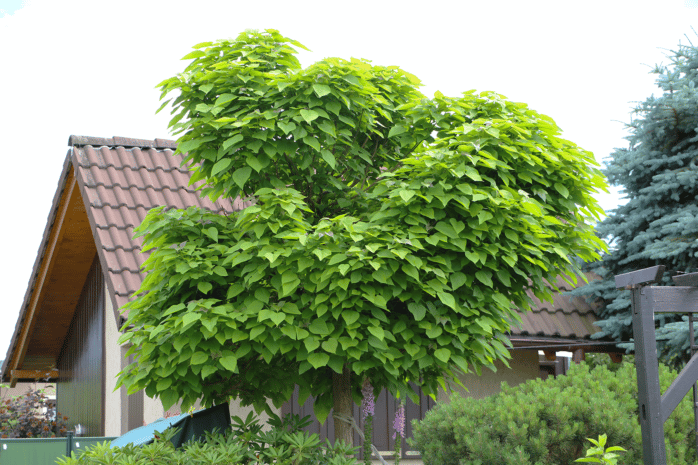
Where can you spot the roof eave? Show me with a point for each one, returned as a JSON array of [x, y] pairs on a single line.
[[17, 347]]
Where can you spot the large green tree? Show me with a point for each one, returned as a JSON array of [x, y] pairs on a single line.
[[659, 223], [390, 236]]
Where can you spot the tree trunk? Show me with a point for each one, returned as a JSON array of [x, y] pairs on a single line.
[[343, 405]]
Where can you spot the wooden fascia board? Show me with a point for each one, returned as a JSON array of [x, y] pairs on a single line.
[[36, 375], [44, 272]]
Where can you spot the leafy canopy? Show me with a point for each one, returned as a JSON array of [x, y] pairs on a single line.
[[388, 233]]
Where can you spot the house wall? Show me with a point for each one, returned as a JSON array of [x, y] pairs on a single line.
[[125, 412], [80, 387], [524, 366], [22, 388], [112, 366]]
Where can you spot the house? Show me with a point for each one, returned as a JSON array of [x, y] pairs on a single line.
[[88, 266]]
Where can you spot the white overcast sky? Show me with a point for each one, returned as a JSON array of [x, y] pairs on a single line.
[[90, 67]]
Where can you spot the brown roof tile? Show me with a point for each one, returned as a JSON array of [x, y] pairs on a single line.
[[120, 180], [567, 317]]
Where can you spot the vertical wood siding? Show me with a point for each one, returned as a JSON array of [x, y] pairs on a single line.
[[80, 387], [383, 431]]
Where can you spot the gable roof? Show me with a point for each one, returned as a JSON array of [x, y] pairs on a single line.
[[104, 191], [120, 180], [106, 187]]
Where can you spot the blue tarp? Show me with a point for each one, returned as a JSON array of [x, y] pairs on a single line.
[[192, 426]]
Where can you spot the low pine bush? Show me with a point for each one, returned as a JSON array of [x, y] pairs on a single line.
[[245, 444], [547, 422]]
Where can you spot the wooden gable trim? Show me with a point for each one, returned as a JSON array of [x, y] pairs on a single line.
[[35, 375], [44, 271]]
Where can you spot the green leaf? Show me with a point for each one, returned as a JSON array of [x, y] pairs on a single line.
[[406, 194], [277, 318], [411, 271], [232, 141], [220, 271], [334, 107], [163, 384], [330, 345], [318, 326], [221, 165], [254, 163], [327, 127], [447, 299], [189, 145], [199, 357], [350, 316], [224, 98], [318, 359], [190, 317], [287, 128], [321, 90], [309, 115], [417, 310], [396, 131], [562, 190], [241, 175], [442, 354], [194, 54], [322, 407], [229, 362], [485, 277], [328, 157], [204, 287], [457, 280], [313, 142], [377, 331]]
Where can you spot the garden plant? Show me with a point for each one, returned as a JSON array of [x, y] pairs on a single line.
[[246, 443], [390, 236], [548, 421], [30, 415]]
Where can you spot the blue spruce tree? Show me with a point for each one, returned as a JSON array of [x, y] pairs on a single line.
[[659, 223]]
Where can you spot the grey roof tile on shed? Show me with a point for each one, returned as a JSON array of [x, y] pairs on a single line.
[[120, 180]]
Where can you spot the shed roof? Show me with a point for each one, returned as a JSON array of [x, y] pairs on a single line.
[[566, 316], [106, 188]]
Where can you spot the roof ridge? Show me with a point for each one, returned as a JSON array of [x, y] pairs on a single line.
[[141, 188], [116, 141], [123, 270], [112, 225], [133, 168], [125, 249], [140, 205], [566, 312]]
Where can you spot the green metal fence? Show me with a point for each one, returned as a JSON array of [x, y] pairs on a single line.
[[42, 451]]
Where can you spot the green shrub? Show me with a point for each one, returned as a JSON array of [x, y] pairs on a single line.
[[547, 422], [245, 443], [30, 415]]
